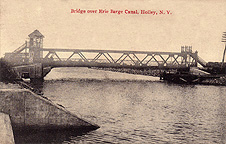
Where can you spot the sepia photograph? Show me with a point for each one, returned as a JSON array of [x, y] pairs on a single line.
[[113, 71]]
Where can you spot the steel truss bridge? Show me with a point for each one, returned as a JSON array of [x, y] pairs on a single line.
[[58, 57], [121, 59], [32, 52]]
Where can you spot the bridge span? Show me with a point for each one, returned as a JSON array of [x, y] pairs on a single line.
[[31, 59], [120, 59]]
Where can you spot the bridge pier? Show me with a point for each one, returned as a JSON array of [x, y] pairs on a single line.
[[37, 81], [36, 72]]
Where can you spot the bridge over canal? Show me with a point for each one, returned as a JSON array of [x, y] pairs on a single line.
[[32, 60]]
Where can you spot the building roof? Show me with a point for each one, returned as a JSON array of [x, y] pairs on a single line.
[[36, 33]]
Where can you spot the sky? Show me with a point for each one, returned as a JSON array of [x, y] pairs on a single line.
[[196, 23]]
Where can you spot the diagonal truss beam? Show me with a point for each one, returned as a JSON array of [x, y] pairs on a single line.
[[57, 56], [137, 58], [96, 57], [111, 57], [144, 58], [123, 58], [120, 58], [156, 58], [131, 59], [82, 56], [175, 59], [70, 56], [107, 58]]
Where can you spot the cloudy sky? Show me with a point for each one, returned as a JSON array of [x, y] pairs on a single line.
[[196, 23]]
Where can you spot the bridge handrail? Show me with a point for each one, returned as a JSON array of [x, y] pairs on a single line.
[[21, 48], [199, 60]]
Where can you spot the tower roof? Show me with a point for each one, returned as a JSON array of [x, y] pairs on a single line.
[[36, 33]]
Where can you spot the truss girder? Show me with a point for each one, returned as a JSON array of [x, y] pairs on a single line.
[[125, 57]]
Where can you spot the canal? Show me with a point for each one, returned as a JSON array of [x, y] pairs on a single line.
[[134, 109]]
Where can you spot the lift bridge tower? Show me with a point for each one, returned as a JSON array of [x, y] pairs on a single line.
[[28, 53], [27, 59], [35, 44]]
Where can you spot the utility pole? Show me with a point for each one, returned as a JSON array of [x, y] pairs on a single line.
[[223, 40]]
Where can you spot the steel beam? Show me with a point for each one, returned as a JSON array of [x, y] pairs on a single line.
[[106, 51]]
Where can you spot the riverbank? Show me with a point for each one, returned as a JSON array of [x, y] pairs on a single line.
[[147, 72], [157, 73]]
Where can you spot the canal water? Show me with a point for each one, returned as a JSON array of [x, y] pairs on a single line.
[[135, 109]]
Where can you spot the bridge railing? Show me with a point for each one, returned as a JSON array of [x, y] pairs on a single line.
[[21, 48]]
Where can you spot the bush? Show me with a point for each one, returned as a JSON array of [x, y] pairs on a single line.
[[6, 73]]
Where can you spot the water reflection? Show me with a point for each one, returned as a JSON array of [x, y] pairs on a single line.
[[47, 136]]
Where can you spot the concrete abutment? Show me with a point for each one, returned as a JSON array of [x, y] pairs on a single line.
[[30, 111]]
